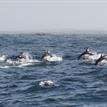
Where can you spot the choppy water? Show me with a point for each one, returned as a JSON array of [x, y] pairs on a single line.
[[77, 84]]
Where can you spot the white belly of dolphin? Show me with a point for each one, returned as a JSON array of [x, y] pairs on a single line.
[[53, 58], [91, 57], [104, 61]]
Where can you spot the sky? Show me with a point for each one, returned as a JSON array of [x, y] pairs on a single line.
[[50, 15]]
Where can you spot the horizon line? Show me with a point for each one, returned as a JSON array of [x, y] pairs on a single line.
[[57, 31]]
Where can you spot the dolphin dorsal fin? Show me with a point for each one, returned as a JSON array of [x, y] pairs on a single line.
[[101, 56], [87, 50]]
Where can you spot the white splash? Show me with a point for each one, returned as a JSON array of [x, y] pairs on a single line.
[[2, 58], [24, 59], [46, 83]]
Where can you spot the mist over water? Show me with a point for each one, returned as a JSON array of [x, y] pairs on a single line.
[[76, 84]]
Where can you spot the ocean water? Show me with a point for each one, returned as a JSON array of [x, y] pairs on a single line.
[[76, 84]]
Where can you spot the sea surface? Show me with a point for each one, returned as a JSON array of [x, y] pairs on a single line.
[[76, 84]]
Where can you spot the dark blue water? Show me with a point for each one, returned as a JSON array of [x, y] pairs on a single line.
[[77, 84]]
